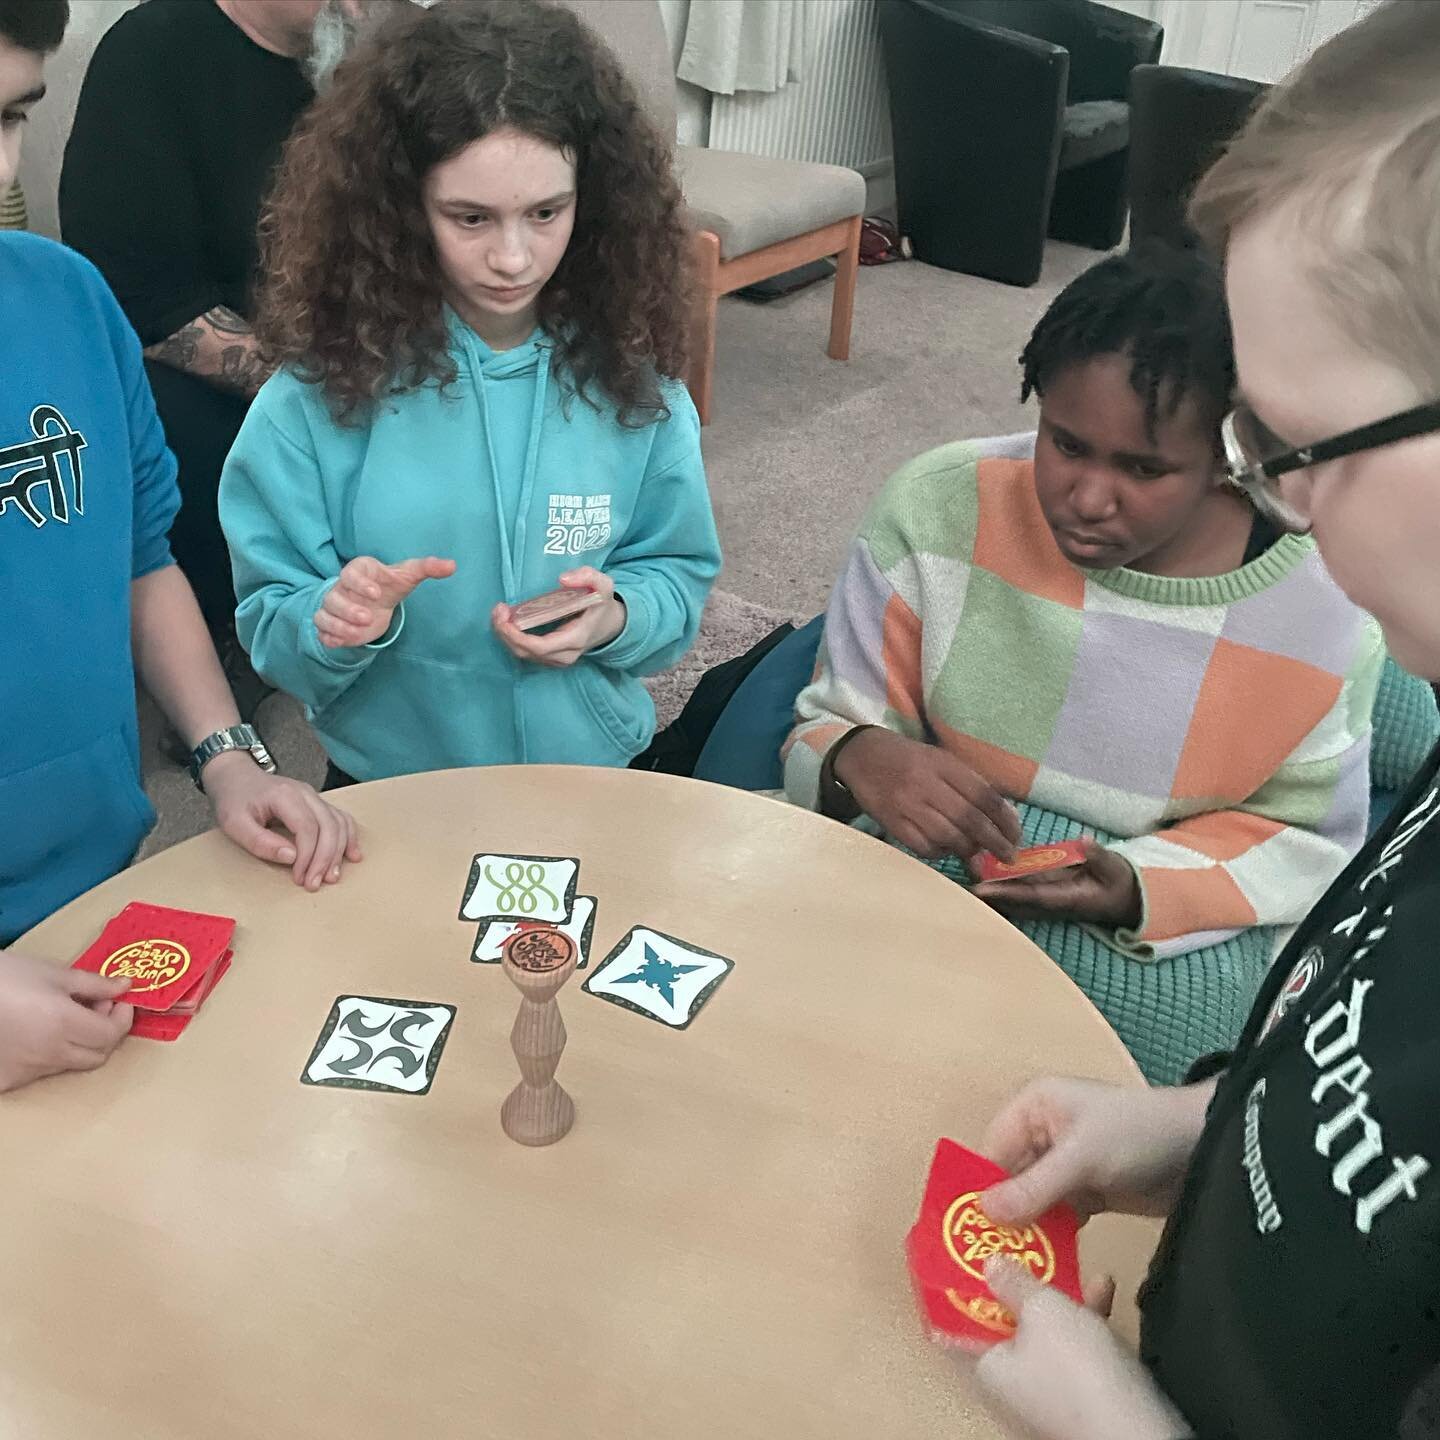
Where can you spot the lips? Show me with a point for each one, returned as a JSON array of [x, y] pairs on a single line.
[[508, 292]]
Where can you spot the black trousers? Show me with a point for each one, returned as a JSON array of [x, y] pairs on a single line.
[[336, 778], [200, 423]]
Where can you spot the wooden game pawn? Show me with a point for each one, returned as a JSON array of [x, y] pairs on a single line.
[[538, 1111]]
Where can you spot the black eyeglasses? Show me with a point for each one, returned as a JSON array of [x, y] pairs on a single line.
[[1256, 459]]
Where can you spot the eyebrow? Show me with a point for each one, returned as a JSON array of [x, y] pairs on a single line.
[[1126, 457], [563, 198], [38, 93]]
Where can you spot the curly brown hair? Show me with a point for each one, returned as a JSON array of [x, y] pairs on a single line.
[[351, 296]]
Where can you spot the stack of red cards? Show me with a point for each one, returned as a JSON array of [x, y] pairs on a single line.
[[173, 959], [1034, 860], [953, 1238]]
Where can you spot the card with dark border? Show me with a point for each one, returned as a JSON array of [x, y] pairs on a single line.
[[696, 1005], [583, 939], [475, 878], [386, 1041]]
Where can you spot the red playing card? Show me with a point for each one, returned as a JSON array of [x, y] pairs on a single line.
[[1032, 861], [556, 605], [171, 1024], [191, 1001], [953, 1238], [164, 952], [149, 1026]]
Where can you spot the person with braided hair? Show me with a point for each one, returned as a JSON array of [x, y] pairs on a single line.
[[1089, 633]]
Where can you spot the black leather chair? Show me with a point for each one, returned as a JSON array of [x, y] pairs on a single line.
[[1010, 120], [1180, 122]]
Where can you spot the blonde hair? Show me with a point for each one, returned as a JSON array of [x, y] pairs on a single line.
[[1349, 145]]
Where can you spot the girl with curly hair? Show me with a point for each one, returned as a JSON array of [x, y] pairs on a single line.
[[476, 294]]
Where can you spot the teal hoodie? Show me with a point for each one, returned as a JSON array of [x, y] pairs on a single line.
[[518, 481]]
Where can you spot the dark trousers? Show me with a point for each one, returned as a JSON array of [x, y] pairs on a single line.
[[200, 423], [336, 778]]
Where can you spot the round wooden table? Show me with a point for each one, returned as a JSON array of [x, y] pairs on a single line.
[[194, 1244]]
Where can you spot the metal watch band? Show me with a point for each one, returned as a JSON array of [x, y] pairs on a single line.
[[237, 737]]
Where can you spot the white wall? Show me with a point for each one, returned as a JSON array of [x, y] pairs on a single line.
[[49, 125]]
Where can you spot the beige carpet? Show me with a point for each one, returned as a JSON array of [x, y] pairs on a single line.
[[798, 445]]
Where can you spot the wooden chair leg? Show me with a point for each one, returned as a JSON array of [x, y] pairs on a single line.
[[842, 308], [702, 340]]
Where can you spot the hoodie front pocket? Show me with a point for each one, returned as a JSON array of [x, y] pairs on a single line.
[[628, 719]]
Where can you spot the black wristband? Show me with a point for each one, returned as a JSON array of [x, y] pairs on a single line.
[[836, 800]]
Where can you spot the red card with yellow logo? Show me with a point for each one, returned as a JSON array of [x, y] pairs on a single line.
[[1031, 861], [951, 1241], [167, 955]]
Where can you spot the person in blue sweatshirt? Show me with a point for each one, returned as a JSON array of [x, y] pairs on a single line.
[[87, 496], [477, 294]]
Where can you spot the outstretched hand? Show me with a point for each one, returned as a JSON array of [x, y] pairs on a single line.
[[358, 607]]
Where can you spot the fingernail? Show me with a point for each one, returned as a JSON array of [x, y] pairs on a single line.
[[335, 873], [286, 856]]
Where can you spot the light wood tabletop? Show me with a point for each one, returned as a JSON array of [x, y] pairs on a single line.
[[196, 1246]]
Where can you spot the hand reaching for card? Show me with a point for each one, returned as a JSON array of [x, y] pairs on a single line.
[[1064, 1374], [53, 1020], [359, 606], [1104, 890], [926, 798], [568, 642], [1093, 1147]]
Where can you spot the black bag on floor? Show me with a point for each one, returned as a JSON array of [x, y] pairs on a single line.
[[675, 750]]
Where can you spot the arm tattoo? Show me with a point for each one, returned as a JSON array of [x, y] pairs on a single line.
[[218, 346], [242, 368], [179, 349], [227, 322]]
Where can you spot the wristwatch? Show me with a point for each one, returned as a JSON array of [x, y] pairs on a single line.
[[237, 737]]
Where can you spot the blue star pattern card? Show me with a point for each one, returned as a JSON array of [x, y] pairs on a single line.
[[657, 975]]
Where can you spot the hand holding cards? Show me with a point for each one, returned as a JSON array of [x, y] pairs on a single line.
[[952, 1240], [173, 959], [554, 607]]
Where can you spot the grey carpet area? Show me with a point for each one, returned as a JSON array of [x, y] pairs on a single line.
[[797, 447]]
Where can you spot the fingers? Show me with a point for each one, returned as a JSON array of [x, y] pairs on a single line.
[[336, 633], [559, 648], [251, 836], [410, 573], [88, 1030], [1054, 1175], [361, 579], [1100, 1296], [1018, 1133], [329, 845], [353, 850], [1012, 1284], [587, 577], [88, 988]]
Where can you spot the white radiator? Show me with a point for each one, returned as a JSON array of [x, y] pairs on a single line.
[[837, 114]]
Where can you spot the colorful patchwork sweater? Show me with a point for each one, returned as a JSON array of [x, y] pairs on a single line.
[[1221, 724]]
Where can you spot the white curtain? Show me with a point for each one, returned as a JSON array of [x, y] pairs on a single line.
[[735, 45]]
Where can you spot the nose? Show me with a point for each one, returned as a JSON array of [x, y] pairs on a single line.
[[510, 256], [1092, 496], [9, 157]]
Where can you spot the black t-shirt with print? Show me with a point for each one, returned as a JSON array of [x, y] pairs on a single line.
[[1296, 1292], [179, 125]]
